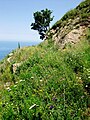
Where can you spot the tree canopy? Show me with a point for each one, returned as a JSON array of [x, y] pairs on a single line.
[[42, 22]]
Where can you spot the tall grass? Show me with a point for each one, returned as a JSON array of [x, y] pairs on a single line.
[[50, 84]]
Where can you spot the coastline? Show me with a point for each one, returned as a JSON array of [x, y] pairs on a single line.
[[7, 46]]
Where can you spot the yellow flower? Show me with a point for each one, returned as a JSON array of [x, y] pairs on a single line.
[[40, 90]]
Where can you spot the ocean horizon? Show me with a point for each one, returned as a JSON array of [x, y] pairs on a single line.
[[7, 46]]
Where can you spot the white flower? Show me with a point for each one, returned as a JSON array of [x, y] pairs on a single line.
[[21, 80], [86, 86], [41, 80], [76, 77], [8, 88], [16, 82], [88, 76], [80, 78], [32, 77]]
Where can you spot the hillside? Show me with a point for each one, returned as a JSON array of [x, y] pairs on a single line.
[[72, 26], [50, 81]]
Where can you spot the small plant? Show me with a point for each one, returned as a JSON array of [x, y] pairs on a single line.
[[75, 62], [18, 45]]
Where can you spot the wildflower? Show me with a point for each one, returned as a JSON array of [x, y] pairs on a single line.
[[88, 76], [41, 80], [86, 86], [8, 88], [54, 98], [80, 78], [51, 107], [32, 77], [22, 80], [16, 82]]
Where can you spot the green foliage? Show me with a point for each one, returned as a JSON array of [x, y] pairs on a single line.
[[75, 62], [88, 35], [50, 84], [42, 21], [82, 11], [70, 14]]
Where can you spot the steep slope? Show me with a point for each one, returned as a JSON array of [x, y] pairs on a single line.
[[45, 82], [72, 26]]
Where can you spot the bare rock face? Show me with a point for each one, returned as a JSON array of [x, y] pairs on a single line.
[[72, 37], [70, 33]]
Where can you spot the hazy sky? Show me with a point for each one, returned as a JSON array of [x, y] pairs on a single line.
[[17, 15]]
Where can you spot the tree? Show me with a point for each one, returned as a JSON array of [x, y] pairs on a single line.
[[42, 22]]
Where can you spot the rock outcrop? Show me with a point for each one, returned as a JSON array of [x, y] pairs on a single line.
[[70, 33], [72, 37]]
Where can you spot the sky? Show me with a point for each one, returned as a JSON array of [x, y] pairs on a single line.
[[16, 17]]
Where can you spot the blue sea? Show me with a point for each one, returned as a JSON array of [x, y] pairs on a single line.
[[7, 46]]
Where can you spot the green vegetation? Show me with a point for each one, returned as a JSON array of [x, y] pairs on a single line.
[[49, 84], [82, 11], [42, 22]]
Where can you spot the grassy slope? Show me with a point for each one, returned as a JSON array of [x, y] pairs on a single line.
[[51, 84], [82, 11], [56, 82]]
